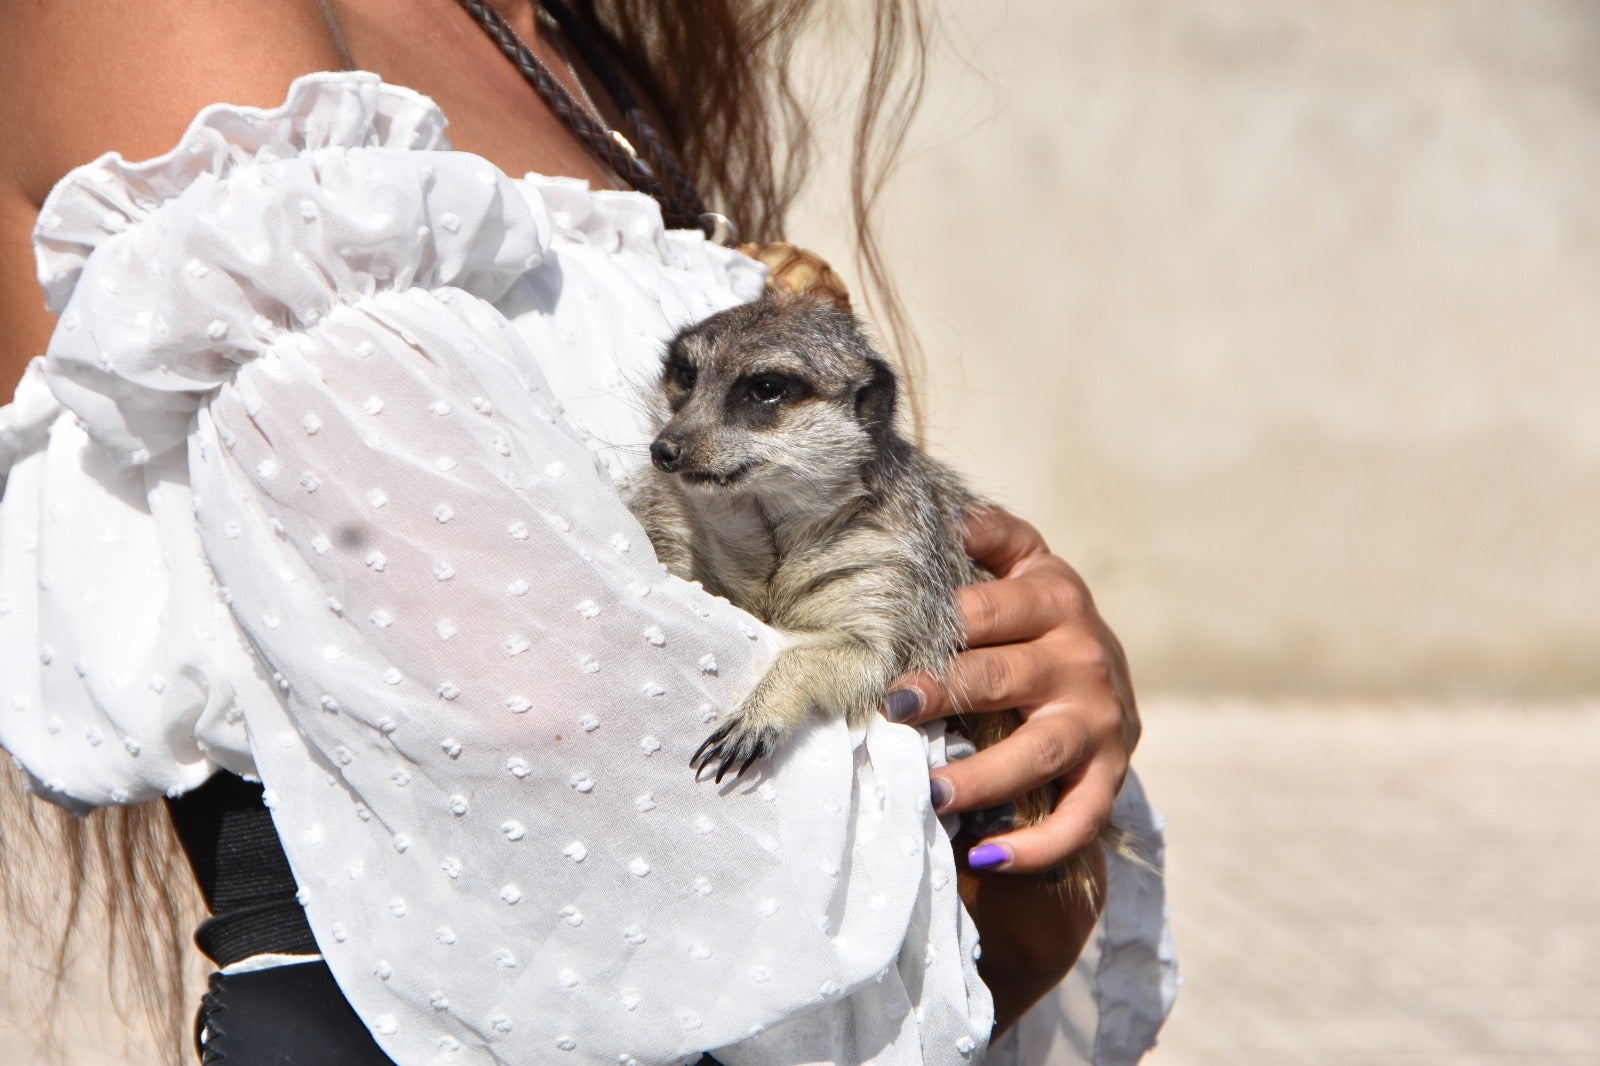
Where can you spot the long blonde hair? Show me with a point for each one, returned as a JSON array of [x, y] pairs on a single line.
[[719, 72]]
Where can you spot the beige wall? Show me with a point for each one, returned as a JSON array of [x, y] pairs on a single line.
[[1283, 320]]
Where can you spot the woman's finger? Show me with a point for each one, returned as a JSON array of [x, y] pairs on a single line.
[[1084, 810], [980, 679], [1001, 612], [1043, 749], [998, 678], [999, 541]]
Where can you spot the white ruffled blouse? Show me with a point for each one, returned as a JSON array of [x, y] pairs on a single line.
[[318, 482]]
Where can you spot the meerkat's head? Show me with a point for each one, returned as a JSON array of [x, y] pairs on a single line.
[[784, 397]]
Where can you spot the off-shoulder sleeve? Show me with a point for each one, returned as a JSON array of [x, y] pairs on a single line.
[[482, 689], [122, 671]]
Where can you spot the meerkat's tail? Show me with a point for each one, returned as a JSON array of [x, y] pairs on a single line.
[[1080, 875]]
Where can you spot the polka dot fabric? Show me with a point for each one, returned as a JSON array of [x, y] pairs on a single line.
[[329, 434], [318, 482]]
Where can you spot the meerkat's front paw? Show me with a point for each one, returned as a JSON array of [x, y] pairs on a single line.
[[801, 683], [738, 742]]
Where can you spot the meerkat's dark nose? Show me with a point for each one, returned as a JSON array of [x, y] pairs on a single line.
[[666, 454]]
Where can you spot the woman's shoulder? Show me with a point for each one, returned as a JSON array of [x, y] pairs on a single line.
[[81, 79]]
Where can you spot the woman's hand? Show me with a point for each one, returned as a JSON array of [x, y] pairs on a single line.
[[1036, 643]]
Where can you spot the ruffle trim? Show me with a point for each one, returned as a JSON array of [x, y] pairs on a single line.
[[615, 220], [107, 196]]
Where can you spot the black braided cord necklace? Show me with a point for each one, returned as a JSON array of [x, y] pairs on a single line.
[[658, 173]]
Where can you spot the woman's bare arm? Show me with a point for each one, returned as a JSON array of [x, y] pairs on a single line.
[[24, 324], [83, 78]]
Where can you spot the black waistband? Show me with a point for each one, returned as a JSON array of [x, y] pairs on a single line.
[[234, 851], [285, 1014]]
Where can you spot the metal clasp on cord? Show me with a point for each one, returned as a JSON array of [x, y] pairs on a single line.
[[719, 228]]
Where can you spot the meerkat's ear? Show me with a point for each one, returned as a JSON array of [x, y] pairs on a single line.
[[875, 400]]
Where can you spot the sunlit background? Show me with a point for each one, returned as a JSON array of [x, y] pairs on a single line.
[[1282, 319]]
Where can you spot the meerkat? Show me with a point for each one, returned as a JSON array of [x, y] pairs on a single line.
[[779, 480]]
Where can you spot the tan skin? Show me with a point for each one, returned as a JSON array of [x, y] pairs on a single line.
[[80, 77]]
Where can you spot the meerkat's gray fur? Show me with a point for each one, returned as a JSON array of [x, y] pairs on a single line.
[[780, 480]]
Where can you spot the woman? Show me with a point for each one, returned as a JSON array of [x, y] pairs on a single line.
[[361, 361]]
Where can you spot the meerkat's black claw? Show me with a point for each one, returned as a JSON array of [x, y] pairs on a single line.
[[733, 745], [695, 762], [711, 757], [754, 755]]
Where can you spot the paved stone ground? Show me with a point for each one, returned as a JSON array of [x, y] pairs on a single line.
[[1352, 885], [1380, 884]]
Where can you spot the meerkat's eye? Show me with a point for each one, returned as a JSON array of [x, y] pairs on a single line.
[[767, 388], [682, 375]]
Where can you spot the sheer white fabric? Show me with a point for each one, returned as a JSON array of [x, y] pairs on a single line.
[[317, 482]]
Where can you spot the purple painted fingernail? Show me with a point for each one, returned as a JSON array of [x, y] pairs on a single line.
[[940, 793], [987, 857], [902, 704]]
